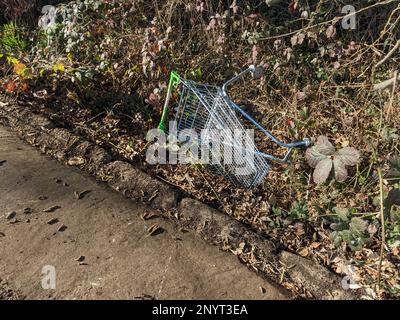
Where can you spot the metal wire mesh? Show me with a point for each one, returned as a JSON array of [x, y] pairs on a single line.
[[233, 154]]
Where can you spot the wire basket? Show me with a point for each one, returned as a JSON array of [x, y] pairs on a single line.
[[209, 112]]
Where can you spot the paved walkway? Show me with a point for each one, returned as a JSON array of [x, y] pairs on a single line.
[[100, 245]]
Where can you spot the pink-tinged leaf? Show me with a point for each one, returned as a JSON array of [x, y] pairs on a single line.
[[292, 7], [324, 146], [322, 170], [340, 169], [301, 95], [294, 40], [331, 31], [300, 38], [313, 156], [372, 229], [348, 155], [153, 100], [320, 151]]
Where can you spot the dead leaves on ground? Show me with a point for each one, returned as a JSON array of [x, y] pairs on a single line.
[[79, 195], [28, 210], [52, 221], [148, 216], [76, 161], [154, 230], [80, 259], [52, 209], [11, 87], [10, 215], [62, 228]]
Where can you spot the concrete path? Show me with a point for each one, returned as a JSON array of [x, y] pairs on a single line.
[[99, 246]]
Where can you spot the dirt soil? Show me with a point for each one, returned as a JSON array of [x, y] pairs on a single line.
[[101, 244]]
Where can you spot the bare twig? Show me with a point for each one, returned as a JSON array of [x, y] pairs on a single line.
[[328, 22], [383, 232], [389, 109], [387, 83], [390, 53]]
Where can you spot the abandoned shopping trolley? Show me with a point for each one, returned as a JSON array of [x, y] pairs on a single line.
[[209, 111]]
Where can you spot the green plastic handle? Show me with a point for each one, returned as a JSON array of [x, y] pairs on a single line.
[[174, 80]]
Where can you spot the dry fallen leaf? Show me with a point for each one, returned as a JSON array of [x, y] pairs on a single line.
[[79, 195], [148, 215], [28, 210], [331, 31], [10, 215], [51, 209], [299, 228], [52, 221], [239, 249], [154, 230], [315, 245], [272, 200], [153, 196], [10, 86], [304, 252], [42, 94], [62, 228], [76, 161], [80, 258]]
